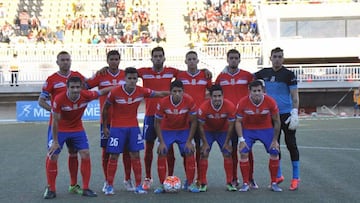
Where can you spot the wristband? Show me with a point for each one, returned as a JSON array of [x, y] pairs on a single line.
[[241, 139]]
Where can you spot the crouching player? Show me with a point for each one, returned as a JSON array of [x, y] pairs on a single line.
[[257, 118], [67, 109], [216, 118], [175, 122]]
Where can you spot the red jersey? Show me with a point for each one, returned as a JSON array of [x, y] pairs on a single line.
[[72, 111], [158, 81], [256, 116], [195, 85], [56, 84], [103, 81], [235, 86], [125, 105], [216, 120], [175, 117]]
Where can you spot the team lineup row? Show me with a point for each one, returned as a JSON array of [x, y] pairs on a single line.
[[235, 111]]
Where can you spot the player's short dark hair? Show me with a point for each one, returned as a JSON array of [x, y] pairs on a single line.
[[276, 50], [233, 51], [62, 53], [130, 70], [190, 52], [176, 83], [73, 79], [113, 53], [157, 49], [214, 88], [256, 83]]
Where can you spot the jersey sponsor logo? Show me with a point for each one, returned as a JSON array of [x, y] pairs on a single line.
[[59, 85]]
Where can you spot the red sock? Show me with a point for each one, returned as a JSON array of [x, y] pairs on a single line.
[[204, 163], [105, 160], [244, 167], [85, 172], [251, 163], [127, 165], [51, 173], [273, 168], [111, 170], [73, 168], [198, 168], [171, 160], [47, 159], [136, 166], [234, 155], [190, 168], [148, 158], [228, 166], [161, 167]]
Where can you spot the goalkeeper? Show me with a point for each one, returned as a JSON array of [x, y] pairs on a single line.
[[281, 84]]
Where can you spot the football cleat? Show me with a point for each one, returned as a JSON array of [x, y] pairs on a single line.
[[140, 190], [280, 179], [230, 187], [104, 187], [186, 185], [147, 183], [203, 188], [109, 190], [275, 187], [76, 189], [193, 188], [129, 186], [159, 190], [244, 188], [48, 194], [89, 193], [253, 184], [235, 182], [294, 184]]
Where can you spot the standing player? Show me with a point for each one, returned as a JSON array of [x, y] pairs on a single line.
[[157, 78], [281, 85], [54, 85], [258, 119], [234, 83], [68, 108], [124, 130], [216, 123], [175, 122], [112, 76], [195, 84]]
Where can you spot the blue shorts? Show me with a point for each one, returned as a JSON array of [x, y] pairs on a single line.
[[103, 139], [356, 106], [149, 129], [125, 138], [176, 136], [219, 137], [264, 135], [77, 140], [50, 139]]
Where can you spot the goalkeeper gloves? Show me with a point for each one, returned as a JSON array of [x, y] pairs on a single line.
[[293, 119]]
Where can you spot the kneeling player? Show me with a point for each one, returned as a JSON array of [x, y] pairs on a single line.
[[216, 118], [258, 119]]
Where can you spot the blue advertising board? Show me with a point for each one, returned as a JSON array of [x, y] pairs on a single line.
[[29, 111]]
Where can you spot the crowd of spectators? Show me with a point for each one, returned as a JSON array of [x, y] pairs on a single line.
[[224, 21]]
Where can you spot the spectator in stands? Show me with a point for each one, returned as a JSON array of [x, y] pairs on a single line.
[[35, 23], [6, 32], [24, 19], [2, 11], [153, 30], [121, 7], [111, 6], [14, 70], [59, 35], [77, 7], [68, 22], [161, 33]]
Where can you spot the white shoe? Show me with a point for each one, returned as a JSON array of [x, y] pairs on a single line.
[[104, 187], [129, 186]]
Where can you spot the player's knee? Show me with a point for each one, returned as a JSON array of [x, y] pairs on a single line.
[[85, 154]]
